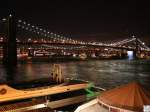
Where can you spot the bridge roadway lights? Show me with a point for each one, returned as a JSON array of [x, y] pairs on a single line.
[[9, 48]]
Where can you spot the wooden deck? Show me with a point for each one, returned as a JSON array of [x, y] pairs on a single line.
[[66, 102], [43, 105], [22, 106]]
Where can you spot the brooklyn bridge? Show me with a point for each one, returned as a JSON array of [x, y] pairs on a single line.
[[20, 39]]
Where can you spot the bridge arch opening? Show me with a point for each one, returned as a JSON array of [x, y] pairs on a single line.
[[130, 55]]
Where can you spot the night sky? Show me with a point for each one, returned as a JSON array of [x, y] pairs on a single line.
[[105, 20]]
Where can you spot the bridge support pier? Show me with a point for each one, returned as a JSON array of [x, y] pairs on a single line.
[[137, 50], [135, 54], [10, 47], [30, 52]]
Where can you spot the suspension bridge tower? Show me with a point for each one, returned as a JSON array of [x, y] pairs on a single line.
[[136, 50], [10, 47]]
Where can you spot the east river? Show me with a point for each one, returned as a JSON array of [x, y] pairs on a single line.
[[104, 73]]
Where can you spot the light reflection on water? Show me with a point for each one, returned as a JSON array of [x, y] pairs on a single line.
[[104, 73]]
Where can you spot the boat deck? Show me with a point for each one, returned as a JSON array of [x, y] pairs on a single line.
[[22, 106]]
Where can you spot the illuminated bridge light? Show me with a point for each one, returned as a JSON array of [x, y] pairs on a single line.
[[19, 21], [29, 39], [4, 19], [10, 15], [57, 38]]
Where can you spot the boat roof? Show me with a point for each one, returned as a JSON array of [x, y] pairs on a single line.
[[132, 96]]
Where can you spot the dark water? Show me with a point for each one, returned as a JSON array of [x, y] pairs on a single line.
[[104, 73]]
